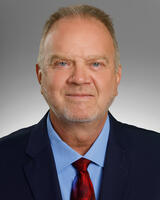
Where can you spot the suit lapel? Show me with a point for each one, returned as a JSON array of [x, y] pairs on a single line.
[[115, 171], [40, 171]]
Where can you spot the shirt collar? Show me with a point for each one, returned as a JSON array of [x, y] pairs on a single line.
[[64, 155]]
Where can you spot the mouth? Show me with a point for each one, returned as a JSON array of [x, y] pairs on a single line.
[[79, 96]]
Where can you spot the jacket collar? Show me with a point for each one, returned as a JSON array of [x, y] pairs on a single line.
[[40, 171], [115, 172]]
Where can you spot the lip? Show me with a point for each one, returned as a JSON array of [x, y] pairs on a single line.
[[79, 95]]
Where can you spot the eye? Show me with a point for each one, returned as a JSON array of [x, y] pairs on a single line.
[[96, 64], [61, 63]]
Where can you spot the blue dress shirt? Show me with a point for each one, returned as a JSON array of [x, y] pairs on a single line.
[[64, 156]]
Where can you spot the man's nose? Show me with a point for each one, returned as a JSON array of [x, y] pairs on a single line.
[[79, 75]]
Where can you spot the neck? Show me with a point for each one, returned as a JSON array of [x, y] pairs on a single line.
[[79, 136]]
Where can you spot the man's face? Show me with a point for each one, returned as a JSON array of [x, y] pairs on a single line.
[[78, 79]]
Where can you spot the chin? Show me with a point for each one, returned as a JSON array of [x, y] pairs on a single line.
[[79, 115], [81, 118]]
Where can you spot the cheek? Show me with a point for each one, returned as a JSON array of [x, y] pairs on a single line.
[[52, 83], [107, 85]]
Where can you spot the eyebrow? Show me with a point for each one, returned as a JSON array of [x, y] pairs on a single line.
[[58, 57], [91, 57], [97, 57]]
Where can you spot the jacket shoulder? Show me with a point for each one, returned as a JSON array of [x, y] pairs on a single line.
[[139, 132], [15, 142], [133, 137], [141, 139]]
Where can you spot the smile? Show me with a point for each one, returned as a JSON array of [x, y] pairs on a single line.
[[79, 96]]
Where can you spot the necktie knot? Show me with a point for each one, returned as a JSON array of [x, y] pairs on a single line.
[[81, 164]]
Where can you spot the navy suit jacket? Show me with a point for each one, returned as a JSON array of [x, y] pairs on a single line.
[[131, 170]]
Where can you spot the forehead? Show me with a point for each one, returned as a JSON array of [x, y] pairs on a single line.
[[78, 33], [78, 20], [78, 23]]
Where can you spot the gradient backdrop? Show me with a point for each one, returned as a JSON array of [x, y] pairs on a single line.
[[137, 25]]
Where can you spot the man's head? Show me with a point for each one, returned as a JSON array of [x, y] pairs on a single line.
[[76, 66], [84, 11]]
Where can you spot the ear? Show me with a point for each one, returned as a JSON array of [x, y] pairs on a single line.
[[39, 73], [118, 74]]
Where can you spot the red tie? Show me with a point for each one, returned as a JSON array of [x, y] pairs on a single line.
[[82, 188]]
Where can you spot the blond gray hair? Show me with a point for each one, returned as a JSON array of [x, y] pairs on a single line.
[[80, 11]]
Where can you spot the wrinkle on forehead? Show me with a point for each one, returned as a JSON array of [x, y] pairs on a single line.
[[72, 58]]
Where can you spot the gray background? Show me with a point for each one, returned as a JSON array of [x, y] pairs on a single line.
[[137, 24]]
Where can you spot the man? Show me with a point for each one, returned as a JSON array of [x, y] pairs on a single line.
[[78, 150]]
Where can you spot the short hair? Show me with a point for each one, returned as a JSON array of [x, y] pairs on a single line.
[[82, 11]]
